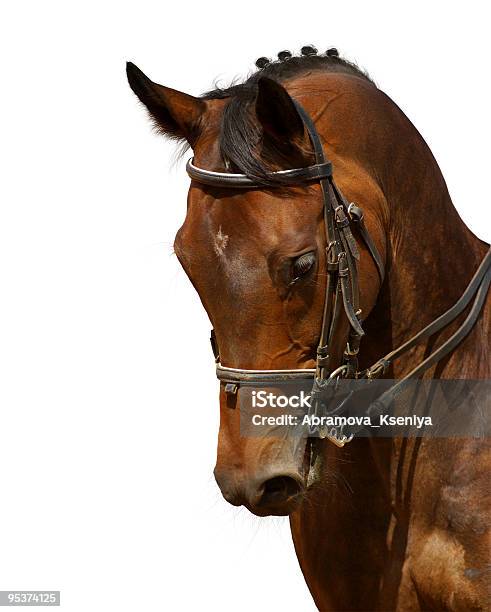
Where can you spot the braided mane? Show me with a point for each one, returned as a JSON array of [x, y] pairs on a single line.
[[240, 134]]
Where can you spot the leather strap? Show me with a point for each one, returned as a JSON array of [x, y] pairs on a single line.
[[356, 214], [384, 402], [242, 181], [239, 375], [480, 278], [342, 253], [347, 294]]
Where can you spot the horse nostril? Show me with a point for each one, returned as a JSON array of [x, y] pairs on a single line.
[[279, 489]]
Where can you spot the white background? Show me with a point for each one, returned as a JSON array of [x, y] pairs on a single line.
[[101, 496]]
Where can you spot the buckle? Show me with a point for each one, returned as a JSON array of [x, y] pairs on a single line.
[[355, 212], [341, 219], [349, 351], [377, 369], [339, 372]]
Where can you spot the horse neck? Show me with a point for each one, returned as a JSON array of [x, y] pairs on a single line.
[[430, 258], [431, 254]]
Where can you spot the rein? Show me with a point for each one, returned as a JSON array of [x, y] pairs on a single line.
[[342, 292]]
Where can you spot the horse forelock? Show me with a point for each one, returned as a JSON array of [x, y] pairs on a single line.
[[240, 132]]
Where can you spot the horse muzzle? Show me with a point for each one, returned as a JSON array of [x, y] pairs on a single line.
[[276, 493]]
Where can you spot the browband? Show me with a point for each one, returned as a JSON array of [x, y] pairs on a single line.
[[288, 177]]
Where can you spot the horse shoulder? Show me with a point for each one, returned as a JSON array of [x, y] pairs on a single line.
[[449, 543]]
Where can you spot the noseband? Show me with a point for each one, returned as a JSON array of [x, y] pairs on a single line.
[[342, 289]]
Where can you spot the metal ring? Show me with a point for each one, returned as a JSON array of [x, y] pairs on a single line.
[[337, 372]]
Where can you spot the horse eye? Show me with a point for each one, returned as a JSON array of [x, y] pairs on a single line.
[[303, 264]]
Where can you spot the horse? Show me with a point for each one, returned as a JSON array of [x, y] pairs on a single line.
[[383, 523]]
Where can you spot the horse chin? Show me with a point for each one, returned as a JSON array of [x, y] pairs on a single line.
[[282, 509]]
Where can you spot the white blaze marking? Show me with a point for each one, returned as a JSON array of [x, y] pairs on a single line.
[[220, 242]]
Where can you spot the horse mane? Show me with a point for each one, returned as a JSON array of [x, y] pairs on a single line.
[[240, 133]]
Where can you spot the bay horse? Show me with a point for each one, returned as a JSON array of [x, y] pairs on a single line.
[[383, 524]]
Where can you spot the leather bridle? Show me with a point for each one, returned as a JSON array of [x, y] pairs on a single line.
[[342, 291]]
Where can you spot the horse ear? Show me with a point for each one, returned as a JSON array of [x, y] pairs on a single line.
[[176, 114], [277, 114]]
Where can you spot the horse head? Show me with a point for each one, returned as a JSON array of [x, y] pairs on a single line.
[[257, 258]]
